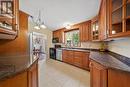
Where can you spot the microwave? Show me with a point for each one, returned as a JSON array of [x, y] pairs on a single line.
[[55, 40]]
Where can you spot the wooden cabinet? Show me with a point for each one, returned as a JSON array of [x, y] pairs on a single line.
[[98, 75], [99, 23], [107, 77], [103, 20], [28, 78], [76, 58], [59, 34], [86, 60], [95, 32], [119, 18], [118, 78], [17, 81], [85, 31], [9, 22], [68, 56], [33, 76]]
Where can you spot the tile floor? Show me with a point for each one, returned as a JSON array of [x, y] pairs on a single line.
[[57, 74]]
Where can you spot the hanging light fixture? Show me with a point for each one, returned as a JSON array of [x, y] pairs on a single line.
[[38, 24]]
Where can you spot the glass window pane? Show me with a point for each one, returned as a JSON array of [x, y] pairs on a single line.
[[116, 4]]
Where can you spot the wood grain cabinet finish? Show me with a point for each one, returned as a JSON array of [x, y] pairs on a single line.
[[98, 75], [76, 58], [28, 78], [17, 81], [86, 60], [85, 31], [59, 34], [119, 18], [13, 22], [103, 20], [118, 78], [33, 76], [68, 56]]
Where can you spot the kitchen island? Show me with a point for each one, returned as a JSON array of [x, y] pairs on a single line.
[[18, 71]]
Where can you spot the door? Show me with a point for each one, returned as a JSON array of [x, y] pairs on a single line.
[[98, 75], [86, 60]]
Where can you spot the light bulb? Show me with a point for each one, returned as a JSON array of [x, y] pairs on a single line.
[[43, 26], [37, 27]]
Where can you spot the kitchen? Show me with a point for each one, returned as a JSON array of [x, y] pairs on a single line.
[[87, 48]]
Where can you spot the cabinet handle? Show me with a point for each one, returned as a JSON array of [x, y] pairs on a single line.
[[90, 64]]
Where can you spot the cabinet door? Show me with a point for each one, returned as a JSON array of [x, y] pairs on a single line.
[[118, 78], [103, 20], [98, 75], [19, 80], [70, 57], [86, 60], [84, 31], [33, 76], [78, 58]]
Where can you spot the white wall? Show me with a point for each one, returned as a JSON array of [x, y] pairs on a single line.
[[46, 32], [121, 46]]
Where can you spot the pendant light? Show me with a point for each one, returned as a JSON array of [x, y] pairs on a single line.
[[38, 24]]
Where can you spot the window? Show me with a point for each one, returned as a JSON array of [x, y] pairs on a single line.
[[72, 38]]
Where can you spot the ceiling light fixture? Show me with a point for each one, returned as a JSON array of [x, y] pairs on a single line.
[[68, 25], [38, 24]]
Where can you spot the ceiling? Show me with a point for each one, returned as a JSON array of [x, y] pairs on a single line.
[[57, 12]]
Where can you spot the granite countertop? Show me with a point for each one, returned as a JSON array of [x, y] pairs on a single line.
[[111, 60], [12, 65], [78, 49]]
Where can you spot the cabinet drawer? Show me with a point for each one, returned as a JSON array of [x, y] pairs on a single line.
[[78, 54]]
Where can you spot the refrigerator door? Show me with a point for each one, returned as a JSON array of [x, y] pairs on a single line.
[[37, 43]]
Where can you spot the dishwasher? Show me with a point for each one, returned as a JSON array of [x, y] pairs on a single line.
[[59, 54]]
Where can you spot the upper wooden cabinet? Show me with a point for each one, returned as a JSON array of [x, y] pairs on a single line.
[[59, 34], [9, 15], [103, 20], [119, 18], [95, 32], [85, 31], [99, 24]]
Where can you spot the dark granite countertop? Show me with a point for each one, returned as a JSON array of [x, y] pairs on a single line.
[[111, 60], [12, 65], [79, 49]]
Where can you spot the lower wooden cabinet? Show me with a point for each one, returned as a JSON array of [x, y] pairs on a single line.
[[33, 76], [98, 75], [25, 79], [118, 78], [67, 56], [86, 60], [76, 58], [17, 81]]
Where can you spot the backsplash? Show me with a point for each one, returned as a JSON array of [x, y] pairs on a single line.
[[121, 46], [93, 45]]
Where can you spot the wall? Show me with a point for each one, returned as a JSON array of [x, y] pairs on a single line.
[[46, 32], [121, 46]]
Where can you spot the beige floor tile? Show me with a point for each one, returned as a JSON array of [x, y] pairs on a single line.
[[58, 74]]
